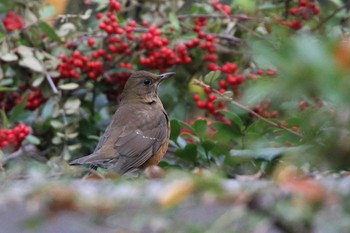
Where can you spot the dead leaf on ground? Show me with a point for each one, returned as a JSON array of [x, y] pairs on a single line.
[[175, 192]]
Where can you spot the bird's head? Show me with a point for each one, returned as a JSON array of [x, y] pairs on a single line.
[[143, 84]]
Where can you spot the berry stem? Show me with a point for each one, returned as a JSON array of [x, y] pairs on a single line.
[[325, 20]]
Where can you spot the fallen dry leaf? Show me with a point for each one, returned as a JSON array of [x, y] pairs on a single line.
[[307, 188], [175, 192]]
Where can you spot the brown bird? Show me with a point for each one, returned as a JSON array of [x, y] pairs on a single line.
[[138, 134]]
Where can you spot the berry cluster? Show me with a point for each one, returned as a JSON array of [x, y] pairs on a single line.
[[9, 99], [231, 79], [208, 102], [263, 109], [154, 52], [303, 104], [71, 66], [12, 21], [259, 72], [206, 41], [92, 64], [231, 82], [34, 100], [13, 137], [305, 10], [156, 55], [221, 7]]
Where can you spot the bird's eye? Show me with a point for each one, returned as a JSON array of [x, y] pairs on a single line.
[[147, 82]]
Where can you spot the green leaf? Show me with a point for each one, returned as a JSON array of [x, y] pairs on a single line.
[[6, 82], [226, 132], [4, 47], [9, 57], [200, 128], [56, 124], [48, 109], [189, 153], [38, 80], [244, 5], [19, 108], [175, 129], [233, 117], [208, 145], [72, 105], [228, 94], [212, 76], [49, 31], [257, 127], [25, 51], [33, 140], [31, 63], [184, 124], [68, 86], [74, 147], [4, 119], [174, 21]]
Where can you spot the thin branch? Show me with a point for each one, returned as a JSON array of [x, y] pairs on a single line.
[[239, 16], [325, 20], [49, 79], [247, 109], [52, 84], [226, 37]]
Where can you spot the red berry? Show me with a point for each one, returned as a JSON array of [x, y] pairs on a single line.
[[222, 83], [99, 15], [211, 97], [76, 54], [293, 11], [295, 24], [211, 107], [207, 90], [271, 71], [196, 97]]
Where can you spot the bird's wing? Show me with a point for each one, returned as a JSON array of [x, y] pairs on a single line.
[[96, 158], [137, 144], [103, 138], [130, 141]]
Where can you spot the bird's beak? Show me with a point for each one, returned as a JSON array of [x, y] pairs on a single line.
[[165, 76]]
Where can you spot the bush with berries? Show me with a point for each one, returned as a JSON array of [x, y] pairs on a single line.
[[251, 76]]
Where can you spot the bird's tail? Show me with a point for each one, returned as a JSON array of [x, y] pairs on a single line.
[[80, 161], [83, 160]]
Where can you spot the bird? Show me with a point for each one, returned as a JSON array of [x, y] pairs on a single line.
[[138, 135]]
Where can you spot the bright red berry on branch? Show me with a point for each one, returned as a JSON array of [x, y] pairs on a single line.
[[13, 21], [91, 41], [13, 137]]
